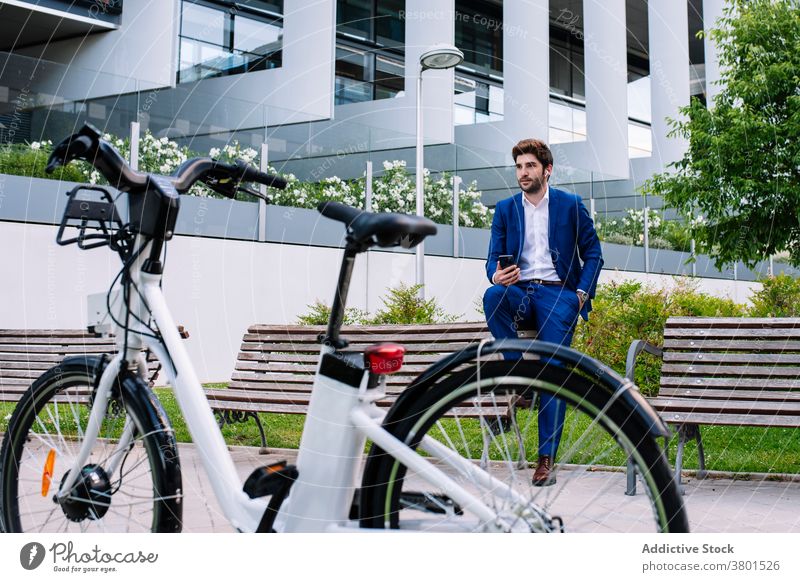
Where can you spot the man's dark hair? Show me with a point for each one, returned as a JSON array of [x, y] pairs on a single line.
[[536, 147]]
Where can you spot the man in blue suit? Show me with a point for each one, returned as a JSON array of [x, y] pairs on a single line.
[[552, 275]]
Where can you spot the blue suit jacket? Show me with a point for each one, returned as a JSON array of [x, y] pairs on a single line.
[[574, 245]]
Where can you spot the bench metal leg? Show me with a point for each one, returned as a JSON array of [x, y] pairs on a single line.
[[630, 469], [485, 432], [694, 431], [630, 487], [522, 459], [235, 416], [686, 433]]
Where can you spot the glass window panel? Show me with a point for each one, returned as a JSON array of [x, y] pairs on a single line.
[[352, 64], [496, 97], [560, 116], [389, 78], [275, 6], [560, 74], [389, 28], [351, 91], [560, 136], [354, 17], [255, 36], [579, 122], [203, 23], [479, 34]]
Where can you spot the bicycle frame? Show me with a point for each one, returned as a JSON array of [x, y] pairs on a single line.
[[339, 420]]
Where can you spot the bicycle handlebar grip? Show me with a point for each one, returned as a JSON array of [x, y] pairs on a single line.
[[73, 147], [272, 181], [338, 211], [250, 174]]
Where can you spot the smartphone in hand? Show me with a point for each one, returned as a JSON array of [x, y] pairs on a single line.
[[505, 261]]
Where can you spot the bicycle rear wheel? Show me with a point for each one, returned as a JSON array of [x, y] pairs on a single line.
[[46, 432], [599, 435]]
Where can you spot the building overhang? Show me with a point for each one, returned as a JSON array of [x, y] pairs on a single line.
[[25, 24]]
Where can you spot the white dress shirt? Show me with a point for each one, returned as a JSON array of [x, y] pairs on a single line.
[[535, 262]]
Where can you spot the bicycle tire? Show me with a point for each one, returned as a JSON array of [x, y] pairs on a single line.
[[586, 499], [49, 421]]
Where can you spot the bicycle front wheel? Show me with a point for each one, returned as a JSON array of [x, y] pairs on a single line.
[[135, 489], [448, 422]]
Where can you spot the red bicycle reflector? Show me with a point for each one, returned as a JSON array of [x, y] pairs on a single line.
[[384, 358]]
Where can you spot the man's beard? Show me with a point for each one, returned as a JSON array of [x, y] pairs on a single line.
[[537, 183]]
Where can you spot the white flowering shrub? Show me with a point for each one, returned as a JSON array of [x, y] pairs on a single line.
[[663, 234], [392, 191]]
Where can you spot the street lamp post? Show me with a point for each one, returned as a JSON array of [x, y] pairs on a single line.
[[440, 56]]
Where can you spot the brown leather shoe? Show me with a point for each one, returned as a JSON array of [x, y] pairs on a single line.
[[543, 475]]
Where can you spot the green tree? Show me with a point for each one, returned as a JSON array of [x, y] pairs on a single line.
[[741, 170]]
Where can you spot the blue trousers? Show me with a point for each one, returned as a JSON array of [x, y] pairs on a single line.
[[554, 312]]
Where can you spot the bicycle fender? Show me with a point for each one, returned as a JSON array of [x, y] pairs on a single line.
[[132, 388], [618, 387]]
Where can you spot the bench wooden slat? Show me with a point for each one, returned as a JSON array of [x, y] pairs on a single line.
[[432, 339], [265, 380], [370, 329], [738, 371], [723, 333], [757, 420], [411, 358], [715, 394], [699, 345], [447, 348], [299, 368], [742, 382], [732, 406], [55, 341], [723, 358], [733, 322], [17, 333]]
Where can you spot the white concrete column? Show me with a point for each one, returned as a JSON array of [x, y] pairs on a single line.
[[429, 22], [712, 10], [605, 62], [526, 69], [668, 25]]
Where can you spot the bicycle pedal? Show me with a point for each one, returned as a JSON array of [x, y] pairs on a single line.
[[270, 480]]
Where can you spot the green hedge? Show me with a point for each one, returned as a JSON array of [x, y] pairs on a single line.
[[623, 312]]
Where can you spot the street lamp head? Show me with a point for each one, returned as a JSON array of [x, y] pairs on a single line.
[[441, 56]]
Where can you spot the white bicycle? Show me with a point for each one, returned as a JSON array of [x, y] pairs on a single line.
[[90, 448]]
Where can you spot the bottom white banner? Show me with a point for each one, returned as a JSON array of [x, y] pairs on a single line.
[[372, 556]]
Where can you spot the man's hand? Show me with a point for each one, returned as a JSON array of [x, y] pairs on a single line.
[[582, 298], [507, 276]]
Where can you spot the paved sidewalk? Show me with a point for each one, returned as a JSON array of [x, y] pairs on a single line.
[[721, 505]]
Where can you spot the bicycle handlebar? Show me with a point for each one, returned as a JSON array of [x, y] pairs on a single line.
[[88, 145], [223, 178]]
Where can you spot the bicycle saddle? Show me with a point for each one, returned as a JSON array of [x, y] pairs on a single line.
[[385, 229]]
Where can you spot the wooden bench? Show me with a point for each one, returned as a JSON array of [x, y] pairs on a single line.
[[26, 353], [276, 365], [733, 371]]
